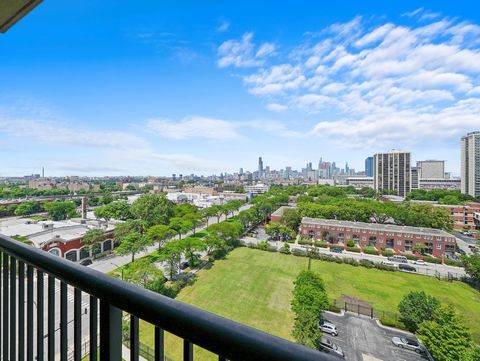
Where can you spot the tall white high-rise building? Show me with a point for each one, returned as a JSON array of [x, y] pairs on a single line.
[[470, 164], [391, 171]]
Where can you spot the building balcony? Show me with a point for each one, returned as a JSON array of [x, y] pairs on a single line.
[[51, 308]]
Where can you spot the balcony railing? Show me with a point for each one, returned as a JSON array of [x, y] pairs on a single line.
[[37, 324]]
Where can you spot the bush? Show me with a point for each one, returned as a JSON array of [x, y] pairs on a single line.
[[321, 244], [350, 244], [452, 262], [304, 241], [370, 250], [384, 267], [431, 260], [333, 308], [353, 249], [351, 261], [390, 322], [365, 263], [387, 253], [299, 252], [410, 256]]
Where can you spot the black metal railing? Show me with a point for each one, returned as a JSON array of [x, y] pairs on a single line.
[[54, 327]]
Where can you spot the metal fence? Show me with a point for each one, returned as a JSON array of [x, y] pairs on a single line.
[[31, 312]]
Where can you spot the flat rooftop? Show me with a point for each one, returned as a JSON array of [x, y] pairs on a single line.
[[378, 227]]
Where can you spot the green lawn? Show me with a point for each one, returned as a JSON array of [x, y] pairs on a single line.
[[254, 287]]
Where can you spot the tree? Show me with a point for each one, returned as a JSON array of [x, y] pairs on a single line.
[[59, 211], [93, 238], [133, 243], [472, 354], [190, 245], [420, 248], [291, 218], [226, 232], [216, 211], [26, 208], [119, 210], [445, 336], [472, 266], [309, 301], [172, 254], [23, 239], [195, 219], [416, 307], [153, 209], [180, 225], [160, 234], [143, 272]]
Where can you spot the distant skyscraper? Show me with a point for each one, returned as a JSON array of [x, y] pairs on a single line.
[[260, 167], [470, 164], [240, 171], [43, 172], [369, 166], [392, 172]]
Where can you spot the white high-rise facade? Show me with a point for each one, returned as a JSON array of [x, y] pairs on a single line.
[[391, 171], [470, 164]]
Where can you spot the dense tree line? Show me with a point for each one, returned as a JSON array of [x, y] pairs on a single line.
[[365, 210], [440, 195]]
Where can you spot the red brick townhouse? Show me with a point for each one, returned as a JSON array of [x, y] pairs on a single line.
[[464, 216], [382, 236]]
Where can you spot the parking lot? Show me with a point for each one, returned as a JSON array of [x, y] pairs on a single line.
[[362, 339]]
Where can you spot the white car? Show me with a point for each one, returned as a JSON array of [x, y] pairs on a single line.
[[389, 263], [420, 262], [329, 328], [329, 346], [408, 343]]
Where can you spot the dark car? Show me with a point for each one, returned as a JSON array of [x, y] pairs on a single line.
[[184, 265], [406, 267], [86, 262], [336, 249]]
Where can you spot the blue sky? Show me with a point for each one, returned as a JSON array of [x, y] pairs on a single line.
[[111, 87]]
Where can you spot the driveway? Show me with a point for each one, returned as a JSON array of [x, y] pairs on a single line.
[[362, 339]]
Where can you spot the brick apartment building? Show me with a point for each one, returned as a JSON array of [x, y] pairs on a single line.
[[382, 236], [464, 216]]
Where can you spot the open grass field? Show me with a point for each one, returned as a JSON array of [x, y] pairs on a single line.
[[255, 288]]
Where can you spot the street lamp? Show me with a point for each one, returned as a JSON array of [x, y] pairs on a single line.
[[121, 268]]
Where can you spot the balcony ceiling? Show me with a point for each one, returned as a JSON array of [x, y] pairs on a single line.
[[12, 11]]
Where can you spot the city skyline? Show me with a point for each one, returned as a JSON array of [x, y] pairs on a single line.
[[142, 96]]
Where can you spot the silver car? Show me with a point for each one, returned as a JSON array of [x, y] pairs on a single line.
[[329, 346], [408, 343], [329, 328]]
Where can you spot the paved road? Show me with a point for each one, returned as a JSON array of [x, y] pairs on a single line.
[[362, 339], [429, 270]]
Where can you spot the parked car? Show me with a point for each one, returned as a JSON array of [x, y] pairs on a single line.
[[328, 346], [328, 327], [468, 234], [406, 267], [420, 262], [408, 343], [336, 250], [86, 262], [397, 258], [389, 263], [184, 265]]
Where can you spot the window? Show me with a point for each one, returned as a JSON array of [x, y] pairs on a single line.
[[372, 241], [408, 245], [341, 237], [355, 238], [84, 252], [107, 245], [390, 243], [71, 255], [55, 252], [311, 234], [439, 246]]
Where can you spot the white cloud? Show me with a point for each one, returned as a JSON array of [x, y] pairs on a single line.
[[224, 26], [55, 132], [243, 52], [380, 83], [194, 127], [275, 107]]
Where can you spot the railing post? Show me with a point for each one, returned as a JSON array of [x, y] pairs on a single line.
[[110, 332]]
